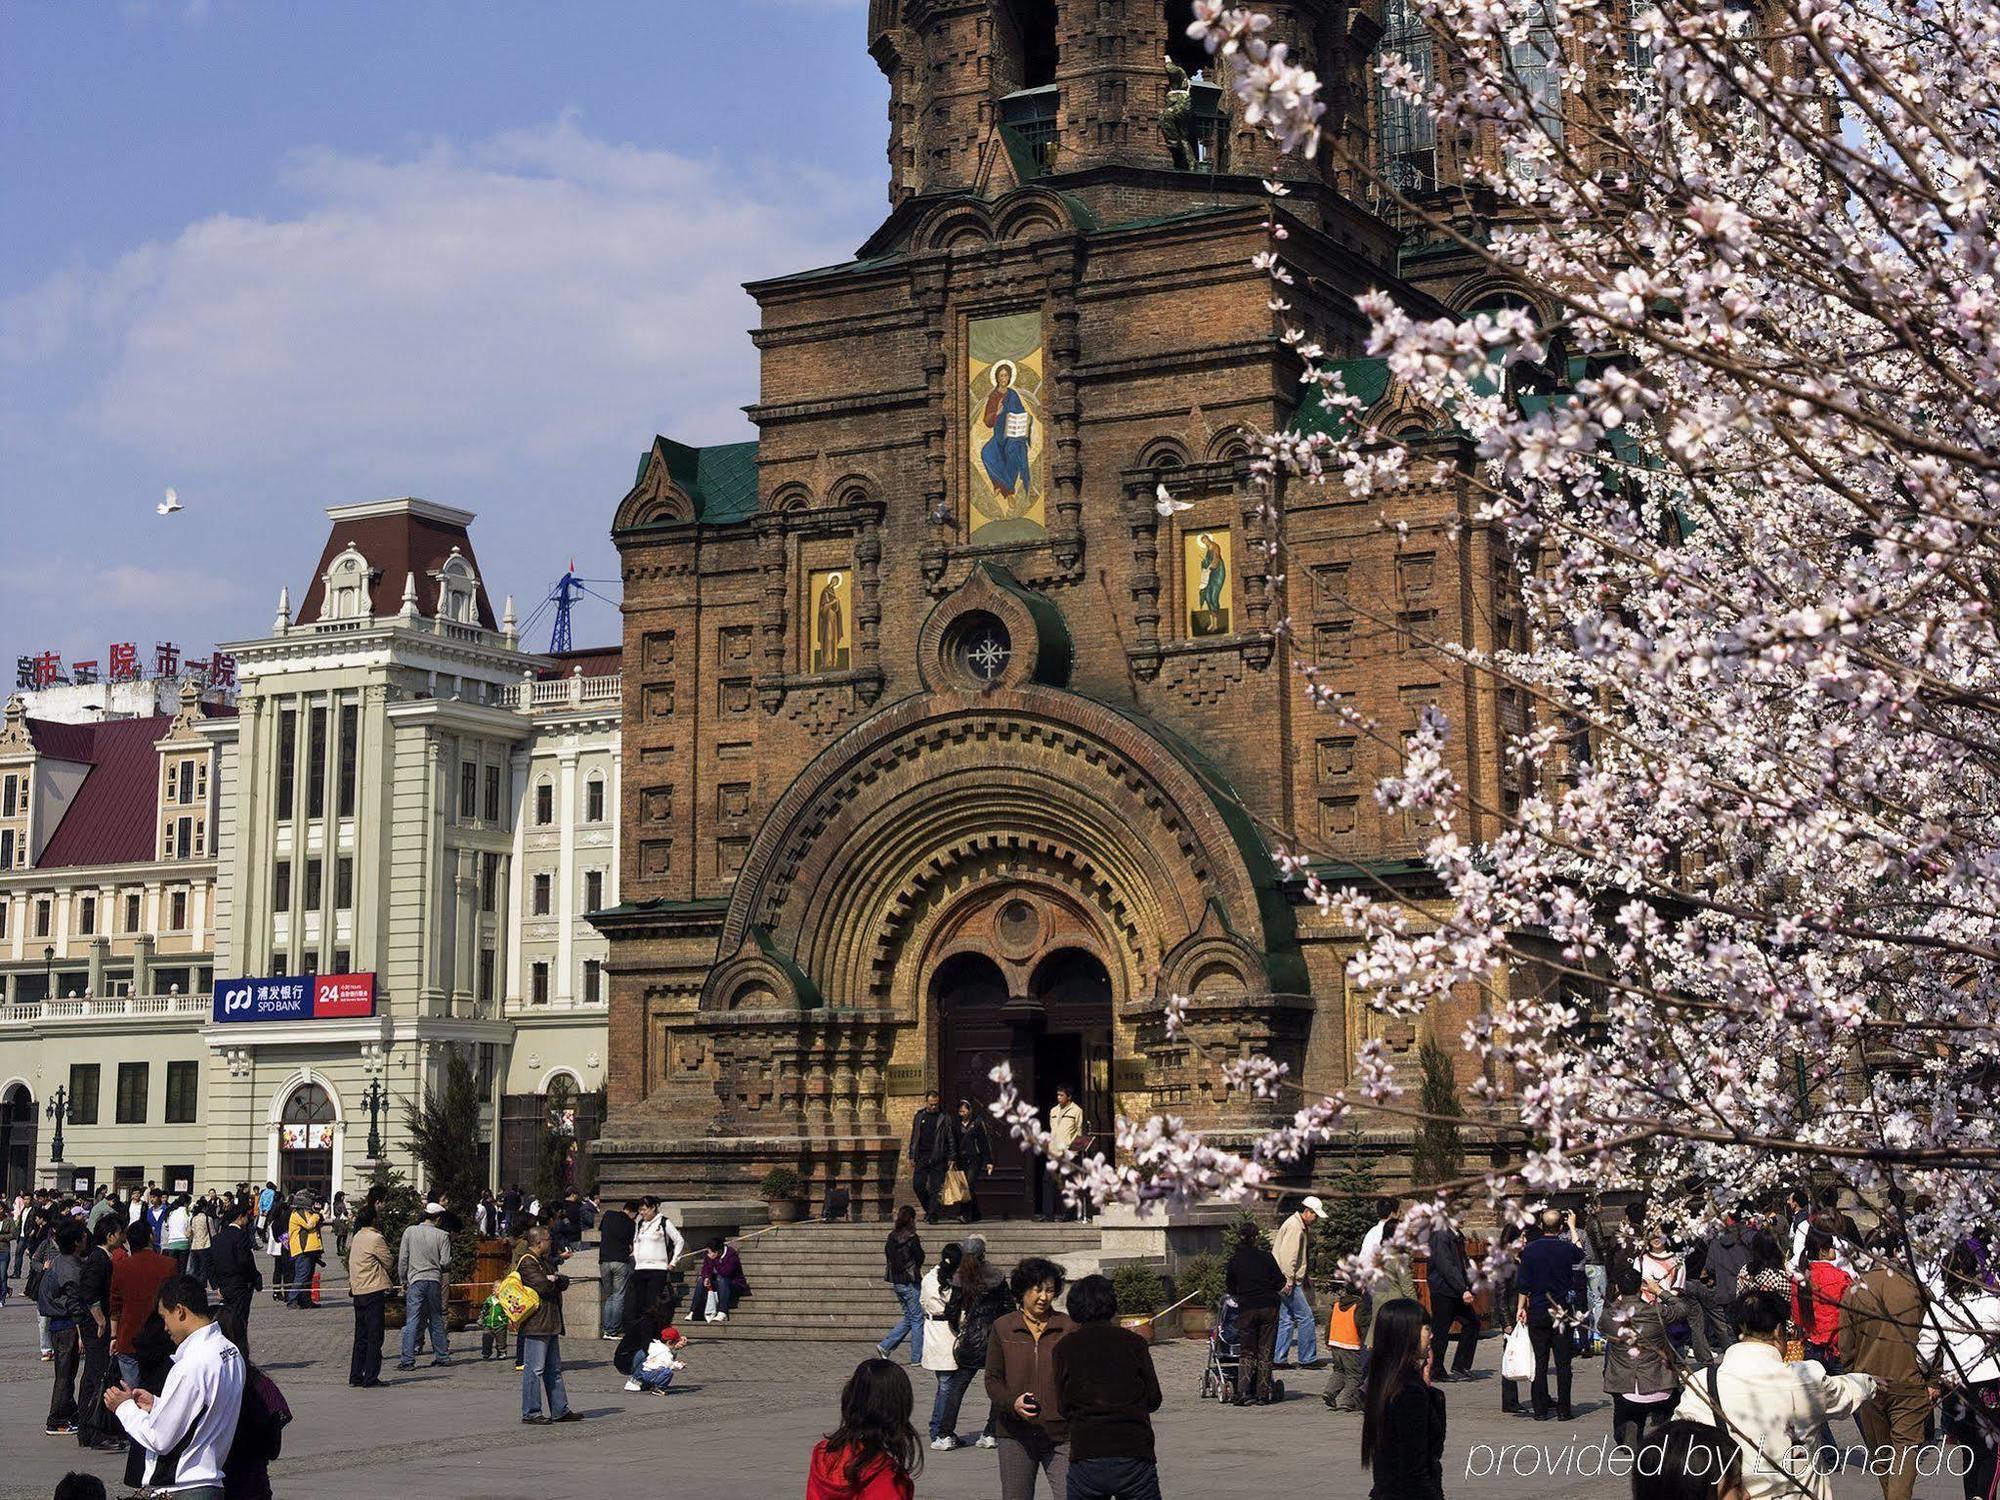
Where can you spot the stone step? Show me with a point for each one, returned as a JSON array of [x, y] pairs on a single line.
[[823, 1283]]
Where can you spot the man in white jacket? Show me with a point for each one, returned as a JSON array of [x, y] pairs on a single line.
[[1775, 1411], [186, 1429]]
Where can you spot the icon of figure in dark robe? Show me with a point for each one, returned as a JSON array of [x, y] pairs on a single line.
[[832, 633], [1005, 455], [1210, 617]]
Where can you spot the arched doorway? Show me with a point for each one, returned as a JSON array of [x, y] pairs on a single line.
[[18, 1120], [1056, 1036], [305, 1141], [1073, 1045]]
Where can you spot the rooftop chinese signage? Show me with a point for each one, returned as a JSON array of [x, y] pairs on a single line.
[[306, 997]]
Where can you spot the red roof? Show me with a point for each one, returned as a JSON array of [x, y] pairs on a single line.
[[396, 544], [596, 661], [112, 820]]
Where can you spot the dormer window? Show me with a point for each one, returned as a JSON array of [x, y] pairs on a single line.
[[458, 589], [347, 588]]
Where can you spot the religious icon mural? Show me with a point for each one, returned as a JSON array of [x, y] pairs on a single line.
[[1207, 581], [830, 621], [1008, 473]]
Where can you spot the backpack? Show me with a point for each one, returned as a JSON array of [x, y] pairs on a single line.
[[968, 1350], [260, 1424]]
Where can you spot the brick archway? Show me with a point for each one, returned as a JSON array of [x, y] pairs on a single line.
[[948, 786]]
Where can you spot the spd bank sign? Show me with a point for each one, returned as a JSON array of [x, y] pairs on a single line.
[[307, 997]]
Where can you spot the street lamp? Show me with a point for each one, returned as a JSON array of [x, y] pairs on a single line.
[[58, 1111], [374, 1096]]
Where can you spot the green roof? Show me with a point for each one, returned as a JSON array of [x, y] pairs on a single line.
[[1026, 166], [721, 481], [1364, 379]]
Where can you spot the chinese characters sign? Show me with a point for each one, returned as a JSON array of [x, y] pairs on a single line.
[[45, 669], [307, 997]]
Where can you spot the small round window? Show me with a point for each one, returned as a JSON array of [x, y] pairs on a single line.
[[981, 648]]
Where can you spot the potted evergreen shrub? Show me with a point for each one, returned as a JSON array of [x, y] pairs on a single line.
[[782, 1189], [1206, 1279], [1141, 1294]]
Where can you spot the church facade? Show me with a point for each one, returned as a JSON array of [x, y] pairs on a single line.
[[943, 746]]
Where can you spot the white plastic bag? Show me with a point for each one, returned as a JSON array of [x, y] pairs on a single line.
[[1517, 1355]]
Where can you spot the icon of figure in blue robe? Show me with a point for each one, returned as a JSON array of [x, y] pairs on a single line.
[[1211, 618], [1005, 455]]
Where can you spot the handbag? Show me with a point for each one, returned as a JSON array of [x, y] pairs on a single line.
[[517, 1299], [955, 1189], [1517, 1355]]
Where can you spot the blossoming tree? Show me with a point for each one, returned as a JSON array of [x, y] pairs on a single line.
[[1750, 463]]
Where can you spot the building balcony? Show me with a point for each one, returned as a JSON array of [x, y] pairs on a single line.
[[560, 695], [86, 1008]]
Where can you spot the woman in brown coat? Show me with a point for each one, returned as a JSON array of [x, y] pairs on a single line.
[[541, 1333]]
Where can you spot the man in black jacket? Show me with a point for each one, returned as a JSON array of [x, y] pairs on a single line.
[[94, 1426], [59, 1298], [923, 1153], [232, 1260], [1451, 1303], [614, 1264]]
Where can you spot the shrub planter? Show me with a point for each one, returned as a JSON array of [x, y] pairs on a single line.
[[1196, 1321], [786, 1210], [1143, 1326]]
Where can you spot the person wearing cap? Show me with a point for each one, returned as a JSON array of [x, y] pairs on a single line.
[[423, 1260], [1295, 1315]]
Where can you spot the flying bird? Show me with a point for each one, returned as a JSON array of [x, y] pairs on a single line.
[[1167, 505], [169, 506]]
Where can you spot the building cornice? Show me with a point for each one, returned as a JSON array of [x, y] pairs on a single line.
[[402, 505], [166, 872]]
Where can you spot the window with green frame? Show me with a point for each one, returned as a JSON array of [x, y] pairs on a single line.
[[183, 1092], [133, 1080]]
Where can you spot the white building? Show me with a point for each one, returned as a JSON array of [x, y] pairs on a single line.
[[400, 792]]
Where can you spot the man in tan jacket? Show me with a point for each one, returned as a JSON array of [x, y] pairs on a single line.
[[1291, 1250], [1065, 1130], [1881, 1319], [370, 1271]]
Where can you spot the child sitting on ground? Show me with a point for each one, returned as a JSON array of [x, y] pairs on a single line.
[[1346, 1322], [648, 1352]]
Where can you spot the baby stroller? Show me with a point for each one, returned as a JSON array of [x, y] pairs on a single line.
[[1222, 1374]]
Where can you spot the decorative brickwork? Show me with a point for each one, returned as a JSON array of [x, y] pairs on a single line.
[[1039, 783]]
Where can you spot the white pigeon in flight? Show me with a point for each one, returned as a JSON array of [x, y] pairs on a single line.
[[169, 506], [1166, 504]]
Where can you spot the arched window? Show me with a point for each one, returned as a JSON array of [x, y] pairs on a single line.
[[305, 1141], [560, 1100], [458, 591], [346, 582], [308, 1105]]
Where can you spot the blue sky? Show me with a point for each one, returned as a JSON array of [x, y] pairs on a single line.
[[284, 257]]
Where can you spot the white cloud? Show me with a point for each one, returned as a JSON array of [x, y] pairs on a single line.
[[442, 318]]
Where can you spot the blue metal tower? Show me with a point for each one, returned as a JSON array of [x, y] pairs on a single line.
[[567, 588]]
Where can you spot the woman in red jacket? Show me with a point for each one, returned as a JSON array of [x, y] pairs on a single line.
[[875, 1453]]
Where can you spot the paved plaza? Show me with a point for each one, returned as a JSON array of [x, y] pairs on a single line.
[[742, 1425]]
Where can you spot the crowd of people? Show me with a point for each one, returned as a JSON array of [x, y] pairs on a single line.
[[1070, 1394], [1733, 1352], [1727, 1357]]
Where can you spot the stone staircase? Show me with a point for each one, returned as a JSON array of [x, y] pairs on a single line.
[[823, 1282]]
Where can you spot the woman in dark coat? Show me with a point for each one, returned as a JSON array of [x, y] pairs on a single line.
[[1402, 1423], [965, 1145]]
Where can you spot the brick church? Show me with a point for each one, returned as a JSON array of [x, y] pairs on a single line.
[[942, 747]]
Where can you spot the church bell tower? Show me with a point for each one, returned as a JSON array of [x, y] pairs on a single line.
[[981, 89]]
